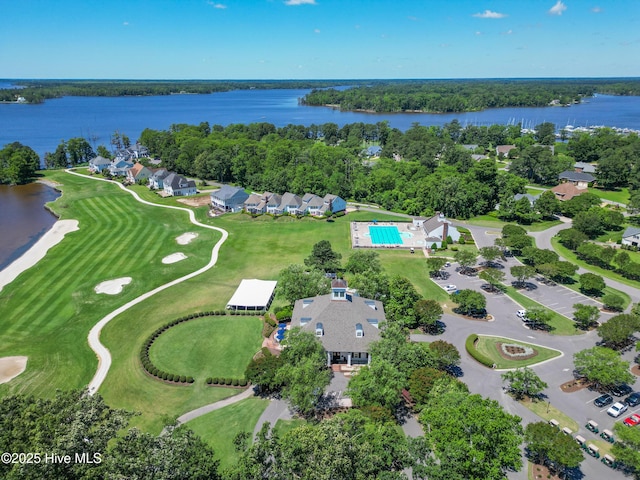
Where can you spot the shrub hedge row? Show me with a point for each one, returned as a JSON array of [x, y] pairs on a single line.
[[470, 345], [227, 381], [151, 369]]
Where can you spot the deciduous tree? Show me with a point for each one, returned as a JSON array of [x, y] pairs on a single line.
[[296, 283], [585, 315], [602, 366], [523, 382]]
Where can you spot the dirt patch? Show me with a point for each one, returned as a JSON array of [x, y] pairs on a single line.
[[542, 472], [574, 385], [195, 201], [11, 367], [513, 351], [636, 370]]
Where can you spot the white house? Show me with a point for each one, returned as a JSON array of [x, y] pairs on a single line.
[[176, 185], [631, 237], [98, 164], [290, 203], [137, 173], [156, 179], [436, 229], [229, 199]]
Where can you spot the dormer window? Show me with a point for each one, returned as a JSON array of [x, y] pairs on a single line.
[[371, 304], [306, 303], [319, 329], [359, 330], [304, 321], [373, 322]]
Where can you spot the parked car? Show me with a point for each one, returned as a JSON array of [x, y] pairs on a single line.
[[522, 314], [603, 400], [450, 288], [632, 420], [617, 409], [621, 390], [447, 265], [633, 399]]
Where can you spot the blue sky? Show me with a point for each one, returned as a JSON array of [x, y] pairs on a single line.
[[318, 39]]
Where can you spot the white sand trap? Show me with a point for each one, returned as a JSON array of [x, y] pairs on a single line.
[[11, 367], [173, 258], [37, 251], [186, 238], [112, 287]]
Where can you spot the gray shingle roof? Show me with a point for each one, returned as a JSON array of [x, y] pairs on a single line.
[[339, 319], [227, 192], [576, 176], [630, 232]]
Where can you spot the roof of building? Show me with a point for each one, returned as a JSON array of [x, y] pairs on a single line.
[[339, 319], [566, 191], [100, 161], [630, 232], [374, 150], [252, 293], [573, 176], [585, 167], [227, 192], [434, 223], [176, 181], [290, 199], [253, 199], [504, 149], [531, 198]]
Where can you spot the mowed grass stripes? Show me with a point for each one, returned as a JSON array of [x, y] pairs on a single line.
[[47, 312]]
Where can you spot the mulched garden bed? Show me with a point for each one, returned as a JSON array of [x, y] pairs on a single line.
[[574, 385], [636, 370], [513, 357]]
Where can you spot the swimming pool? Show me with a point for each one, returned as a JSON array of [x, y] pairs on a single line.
[[385, 235]]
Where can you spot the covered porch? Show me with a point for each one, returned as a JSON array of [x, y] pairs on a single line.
[[348, 358]]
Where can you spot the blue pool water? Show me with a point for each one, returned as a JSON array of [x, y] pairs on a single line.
[[385, 235]]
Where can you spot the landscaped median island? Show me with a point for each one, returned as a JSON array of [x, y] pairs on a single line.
[[506, 353]]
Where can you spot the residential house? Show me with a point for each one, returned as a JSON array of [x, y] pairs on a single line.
[[333, 204], [504, 149], [580, 179], [436, 229], [532, 198], [583, 167], [566, 191], [254, 203], [132, 153], [631, 237], [470, 146], [345, 324], [229, 199], [312, 204], [176, 185], [273, 203], [98, 164], [119, 167], [290, 203], [156, 179], [373, 151], [138, 173]]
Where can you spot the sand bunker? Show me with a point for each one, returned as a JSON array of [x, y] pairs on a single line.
[[11, 367], [112, 287], [186, 238], [173, 258]]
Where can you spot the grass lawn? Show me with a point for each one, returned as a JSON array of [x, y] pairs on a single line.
[[573, 258], [283, 426], [619, 196], [546, 411], [220, 427], [216, 346], [487, 345], [560, 325], [490, 220], [48, 311]]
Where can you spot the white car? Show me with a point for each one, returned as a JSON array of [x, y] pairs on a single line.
[[617, 409], [521, 314], [450, 288]]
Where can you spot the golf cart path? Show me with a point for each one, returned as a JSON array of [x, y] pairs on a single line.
[[103, 354], [248, 393]]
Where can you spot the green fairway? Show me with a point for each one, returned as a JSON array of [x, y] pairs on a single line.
[[488, 346], [220, 427], [47, 312], [216, 346]]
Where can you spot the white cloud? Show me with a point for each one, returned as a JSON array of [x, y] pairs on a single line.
[[300, 2], [126, 24], [479, 32], [508, 32], [217, 5], [316, 30], [596, 10], [489, 14], [558, 8]]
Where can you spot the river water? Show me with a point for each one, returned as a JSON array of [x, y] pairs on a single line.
[[23, 219], [43, 126]]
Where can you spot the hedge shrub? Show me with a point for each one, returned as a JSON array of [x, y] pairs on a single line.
[[470, 346]]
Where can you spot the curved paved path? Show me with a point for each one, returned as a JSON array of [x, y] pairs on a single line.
[[248, 393], [103, 354]]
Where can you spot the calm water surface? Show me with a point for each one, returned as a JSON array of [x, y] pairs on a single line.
[[23, 218]]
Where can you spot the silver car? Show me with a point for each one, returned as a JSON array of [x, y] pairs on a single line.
[[617, 409]]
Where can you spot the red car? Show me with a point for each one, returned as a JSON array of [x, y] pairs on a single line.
[[632, 420]]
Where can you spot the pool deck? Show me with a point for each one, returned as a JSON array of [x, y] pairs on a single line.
[[360, 237]]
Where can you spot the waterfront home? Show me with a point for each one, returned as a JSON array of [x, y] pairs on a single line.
[[118, 168], [631, 237], [132, 153], [229, 199], [138, 173], [156, 179], [176, 185], [345, 324], [98, 164]]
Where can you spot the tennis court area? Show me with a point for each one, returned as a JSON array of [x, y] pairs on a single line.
[[385, 235]]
